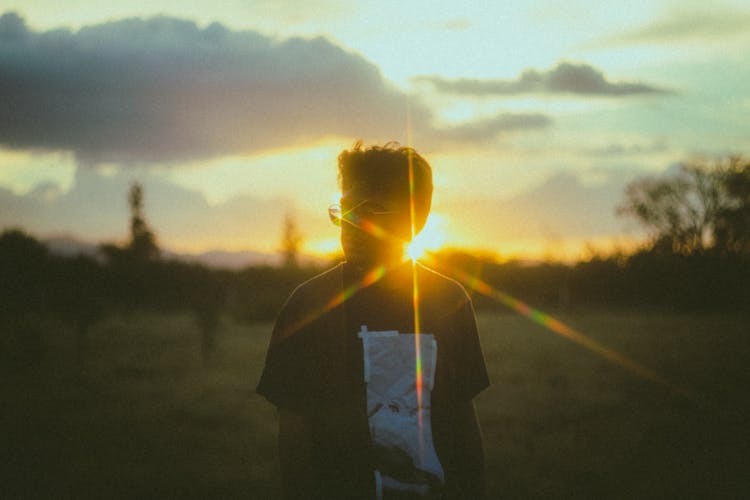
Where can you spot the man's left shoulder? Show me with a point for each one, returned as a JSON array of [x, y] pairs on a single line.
[[440, 288]]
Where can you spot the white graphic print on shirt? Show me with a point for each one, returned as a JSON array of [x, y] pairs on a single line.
[[400, 426]]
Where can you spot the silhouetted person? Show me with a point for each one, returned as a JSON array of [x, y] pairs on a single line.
[[368, 408]]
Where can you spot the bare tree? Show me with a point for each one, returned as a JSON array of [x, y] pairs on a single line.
[[733, 222], [700, 207]]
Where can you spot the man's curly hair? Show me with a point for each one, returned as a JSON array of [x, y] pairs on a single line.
[[386, 169]]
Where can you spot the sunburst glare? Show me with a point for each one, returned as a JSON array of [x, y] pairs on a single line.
[[432, 237], [561, 329]]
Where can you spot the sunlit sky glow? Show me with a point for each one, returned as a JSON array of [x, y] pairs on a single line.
[[534, 115]]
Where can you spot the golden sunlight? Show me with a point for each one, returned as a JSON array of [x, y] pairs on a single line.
[[432, 237], [323, 247]]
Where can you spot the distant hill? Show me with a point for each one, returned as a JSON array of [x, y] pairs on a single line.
[[70, 246], [67, 246]]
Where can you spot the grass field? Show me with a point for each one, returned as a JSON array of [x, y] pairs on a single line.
[[143, 416]]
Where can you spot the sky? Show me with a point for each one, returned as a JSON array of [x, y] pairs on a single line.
[[533, 115]]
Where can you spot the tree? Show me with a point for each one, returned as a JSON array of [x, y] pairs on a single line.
[[703, 206], [23, 274], [733, 221], [291, 242], [142, 240], [24, 297]]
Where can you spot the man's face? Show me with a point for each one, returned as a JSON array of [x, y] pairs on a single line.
[[375, 226]]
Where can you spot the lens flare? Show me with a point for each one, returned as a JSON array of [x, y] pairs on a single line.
[[415, 286], [338, 217], [368, 279], [431, 237], [559, 328], [418, 354]]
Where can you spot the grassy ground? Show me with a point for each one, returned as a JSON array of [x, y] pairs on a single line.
[[560, 421], [145, 417]]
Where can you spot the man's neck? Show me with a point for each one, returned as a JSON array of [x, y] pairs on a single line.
[[395, 275]]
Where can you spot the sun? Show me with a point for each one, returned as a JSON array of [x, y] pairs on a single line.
[[432, 237]]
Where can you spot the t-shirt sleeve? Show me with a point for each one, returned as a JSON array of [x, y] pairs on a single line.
[[285, 381], [471, 370]]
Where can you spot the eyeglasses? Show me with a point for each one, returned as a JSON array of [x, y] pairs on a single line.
[[359, 211]]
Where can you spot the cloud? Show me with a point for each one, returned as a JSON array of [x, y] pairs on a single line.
[[95, 208], [166, 90], [455, 24], [486, 129], [562, 206], [683, 25], [658, 145], [565, 78]]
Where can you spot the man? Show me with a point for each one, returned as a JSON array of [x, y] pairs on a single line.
[[373, 365]]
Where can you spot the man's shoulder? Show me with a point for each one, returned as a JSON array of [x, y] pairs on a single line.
[[440, 287], [307, 303], [322, 286], [330, 278]]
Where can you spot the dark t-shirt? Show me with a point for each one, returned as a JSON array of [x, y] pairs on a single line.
[[314, 365]]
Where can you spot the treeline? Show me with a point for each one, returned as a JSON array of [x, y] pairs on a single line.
[[698, 258], [648, 279], [39, 286], [79, 291]]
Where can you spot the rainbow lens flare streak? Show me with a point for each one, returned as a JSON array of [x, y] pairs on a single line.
[[418, 354], [559, 328], [415, 298], [372, 228], [365, 225], [375, 275], [368, 279]]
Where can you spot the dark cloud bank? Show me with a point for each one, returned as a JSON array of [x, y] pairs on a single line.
[[565, 78], [166, 90]]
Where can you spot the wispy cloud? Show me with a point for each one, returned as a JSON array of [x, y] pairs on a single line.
[[565, 78], [486, 129], [658, 145], [455, 24], [684, 25]]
